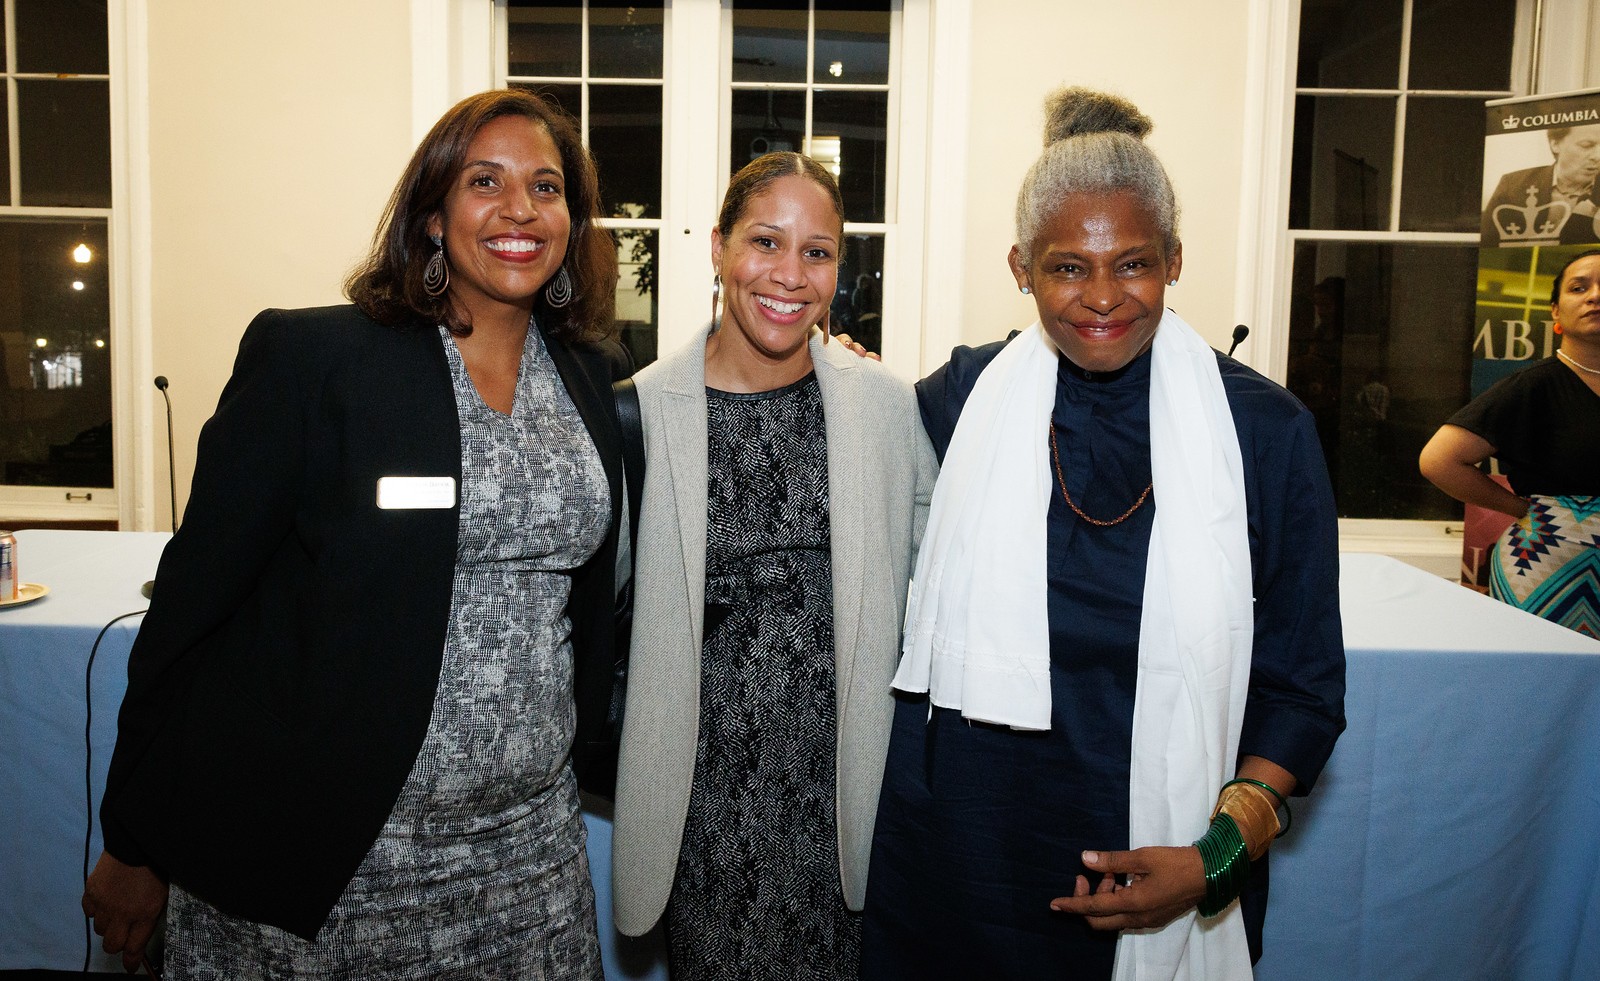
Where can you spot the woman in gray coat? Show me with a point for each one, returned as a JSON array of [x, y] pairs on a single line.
[[786, 486]]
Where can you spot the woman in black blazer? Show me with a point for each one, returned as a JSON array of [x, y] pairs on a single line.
[[384, 627]]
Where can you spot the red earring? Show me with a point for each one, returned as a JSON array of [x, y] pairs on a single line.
[[1558, 327]]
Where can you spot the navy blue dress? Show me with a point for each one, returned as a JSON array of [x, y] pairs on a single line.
[[980, 826]]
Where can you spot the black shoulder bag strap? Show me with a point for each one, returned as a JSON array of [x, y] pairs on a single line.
[[632, 426]]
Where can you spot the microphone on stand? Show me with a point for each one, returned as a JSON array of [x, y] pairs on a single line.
[[1239, 334], [172, 477]]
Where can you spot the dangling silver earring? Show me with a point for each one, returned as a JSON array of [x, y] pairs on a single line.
[[558, 292], [1026, 291], [716, 297], [436, 274]]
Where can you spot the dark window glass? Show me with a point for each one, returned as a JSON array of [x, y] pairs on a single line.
[[858, 299], [62, 37], [637, 308], [55, 354], [65, 129], [763, 122], [544, 38], [1343, 156], [857, 124], [769, 41], [1442, 188], [1461, 44], [1380, 339], [852, 43], [568, 97], [1349, 44], [5, 147], [625, 39], [625, 137]]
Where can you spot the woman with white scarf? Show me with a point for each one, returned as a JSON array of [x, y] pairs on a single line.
[[1122, 645]]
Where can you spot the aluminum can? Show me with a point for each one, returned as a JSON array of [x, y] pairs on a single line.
[[10, 579]]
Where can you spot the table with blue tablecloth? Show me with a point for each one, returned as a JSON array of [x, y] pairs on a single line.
[[1455, 833]]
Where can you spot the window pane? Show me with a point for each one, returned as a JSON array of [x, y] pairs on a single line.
[[62, 36], [852, 129], [568, 97], [636, 292], [1349, 44], [1442, 187], [769, 41], [858, 300], [852, 42], [1343, 155], [544, 38], [55, 355], [5, 147], [624, 39], [625, 138], [1380, 340], [65, 129], [1461, 44], [764, 122]]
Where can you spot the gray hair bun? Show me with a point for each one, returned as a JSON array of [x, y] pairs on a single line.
[[1075, 111]]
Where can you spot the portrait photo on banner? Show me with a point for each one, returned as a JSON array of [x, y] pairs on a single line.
[[1541, 171]]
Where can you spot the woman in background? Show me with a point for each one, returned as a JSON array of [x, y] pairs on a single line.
[[787, 483], [1543, 426], [381, 638], [1124, 629]]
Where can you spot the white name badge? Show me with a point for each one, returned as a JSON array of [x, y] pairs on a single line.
[[416, 493]]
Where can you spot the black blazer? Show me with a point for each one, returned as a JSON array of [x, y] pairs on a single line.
[[282, 682]]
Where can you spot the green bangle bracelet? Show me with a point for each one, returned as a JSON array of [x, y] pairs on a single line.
[[1226, 862], [1283, 802]]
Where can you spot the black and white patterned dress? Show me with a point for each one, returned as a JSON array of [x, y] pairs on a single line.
[[480, 871], [757, 892]]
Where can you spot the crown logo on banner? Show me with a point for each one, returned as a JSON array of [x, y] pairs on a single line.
[[1535, 224], [1510, 122]]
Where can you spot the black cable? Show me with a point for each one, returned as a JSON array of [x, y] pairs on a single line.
[[88, 770]]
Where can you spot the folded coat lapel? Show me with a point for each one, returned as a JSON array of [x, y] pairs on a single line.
[[847, 431], [683, 410]]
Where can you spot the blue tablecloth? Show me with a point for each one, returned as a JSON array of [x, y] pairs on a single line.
[[1455, 833], [93, 577]]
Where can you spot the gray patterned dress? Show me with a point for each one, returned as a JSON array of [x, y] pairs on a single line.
[[757, 892], [480, 871]]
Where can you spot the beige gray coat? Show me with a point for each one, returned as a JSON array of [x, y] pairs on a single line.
[[881, 471]]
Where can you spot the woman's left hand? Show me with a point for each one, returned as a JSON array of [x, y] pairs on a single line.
[[1165, 882]]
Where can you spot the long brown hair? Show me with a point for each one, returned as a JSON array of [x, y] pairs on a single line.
[[387, 285]]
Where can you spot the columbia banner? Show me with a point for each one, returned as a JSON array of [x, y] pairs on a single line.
[[1541, 205]]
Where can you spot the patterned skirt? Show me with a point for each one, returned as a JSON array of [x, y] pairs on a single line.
[[1548, 563]]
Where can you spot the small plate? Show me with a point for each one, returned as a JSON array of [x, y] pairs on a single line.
[[26, 593]]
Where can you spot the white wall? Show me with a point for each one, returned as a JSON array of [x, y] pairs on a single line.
[[1182, 63], [277, 131]]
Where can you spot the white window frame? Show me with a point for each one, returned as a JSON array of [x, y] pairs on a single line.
[[457, 50], [130, 500], [1552, 53]]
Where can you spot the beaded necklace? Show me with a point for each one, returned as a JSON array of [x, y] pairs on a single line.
[[1055, 454]]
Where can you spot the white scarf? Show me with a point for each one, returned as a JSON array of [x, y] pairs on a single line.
[[977, 635]]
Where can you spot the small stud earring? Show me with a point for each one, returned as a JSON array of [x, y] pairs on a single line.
[[1026, 291], [1172, 282]]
